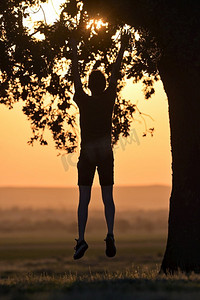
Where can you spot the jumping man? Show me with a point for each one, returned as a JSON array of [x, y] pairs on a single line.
[[96, 150]]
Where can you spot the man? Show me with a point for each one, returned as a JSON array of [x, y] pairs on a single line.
[[96, 150]]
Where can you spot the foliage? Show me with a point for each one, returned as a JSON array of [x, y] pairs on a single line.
[[35, 67]]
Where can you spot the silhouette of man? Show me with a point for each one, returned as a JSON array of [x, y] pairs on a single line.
[[96, 151]]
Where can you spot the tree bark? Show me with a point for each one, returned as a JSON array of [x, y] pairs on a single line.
[[183, 243]]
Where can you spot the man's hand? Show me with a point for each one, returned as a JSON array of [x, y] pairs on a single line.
[[75, 70], [73, 43], [125, 38]]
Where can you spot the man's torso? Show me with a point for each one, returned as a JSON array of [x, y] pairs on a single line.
[[96, 116]]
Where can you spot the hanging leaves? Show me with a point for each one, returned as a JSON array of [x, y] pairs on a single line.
[[37, 69]]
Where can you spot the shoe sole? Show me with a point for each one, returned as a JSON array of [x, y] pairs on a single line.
[[111, 254], [80, 253]]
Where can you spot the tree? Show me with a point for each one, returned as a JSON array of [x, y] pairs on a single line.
[[173, 26], [35, 67], [165, 43]]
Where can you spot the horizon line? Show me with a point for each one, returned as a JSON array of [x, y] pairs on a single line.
[[76, 186]]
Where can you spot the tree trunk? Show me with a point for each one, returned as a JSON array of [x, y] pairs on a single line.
[[175, 26], [183, 244]]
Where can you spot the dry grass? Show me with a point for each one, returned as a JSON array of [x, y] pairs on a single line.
[[41, 267], [133, 283]]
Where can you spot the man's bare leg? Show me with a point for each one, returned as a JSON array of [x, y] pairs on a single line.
[[84, 200], [107, 195], [109, 206]]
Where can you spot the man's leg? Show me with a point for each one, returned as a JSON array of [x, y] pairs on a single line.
[[84, 199], [86, 170], [107, 195], [109, 206]]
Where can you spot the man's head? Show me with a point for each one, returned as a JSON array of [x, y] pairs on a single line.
[[97, 82]]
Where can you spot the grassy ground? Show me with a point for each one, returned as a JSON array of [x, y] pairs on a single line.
[[40, 266]]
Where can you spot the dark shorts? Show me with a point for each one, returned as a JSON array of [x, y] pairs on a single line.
[[92, 157]]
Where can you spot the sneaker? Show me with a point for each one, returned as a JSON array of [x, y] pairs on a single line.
[[110, 245], [80, 249]]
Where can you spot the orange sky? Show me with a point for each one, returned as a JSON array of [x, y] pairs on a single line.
[[148, 162]]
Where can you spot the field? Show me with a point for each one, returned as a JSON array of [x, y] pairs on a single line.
[[37, 247], [42, 268]]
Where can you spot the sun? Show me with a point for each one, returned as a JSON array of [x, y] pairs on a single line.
[[96, 24]]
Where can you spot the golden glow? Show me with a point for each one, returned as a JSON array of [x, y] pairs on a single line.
[[137, 36], [96, 24], [147, 163]]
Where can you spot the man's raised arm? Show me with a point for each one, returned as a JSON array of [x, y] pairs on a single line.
[[116, 67], [75, 69]]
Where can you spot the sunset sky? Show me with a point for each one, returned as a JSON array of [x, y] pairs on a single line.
[[136, 163], [148, 162]]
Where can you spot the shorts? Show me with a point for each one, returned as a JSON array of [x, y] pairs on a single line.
[[92, 157]]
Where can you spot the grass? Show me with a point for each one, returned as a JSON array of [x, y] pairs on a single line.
[[142, 283], [42, 268]]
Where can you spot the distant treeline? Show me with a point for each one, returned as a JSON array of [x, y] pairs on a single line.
[[15, 219]]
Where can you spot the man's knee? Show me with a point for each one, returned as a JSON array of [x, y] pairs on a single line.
[[85, 188], [107, 191], [84, 194], [107, 195]]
